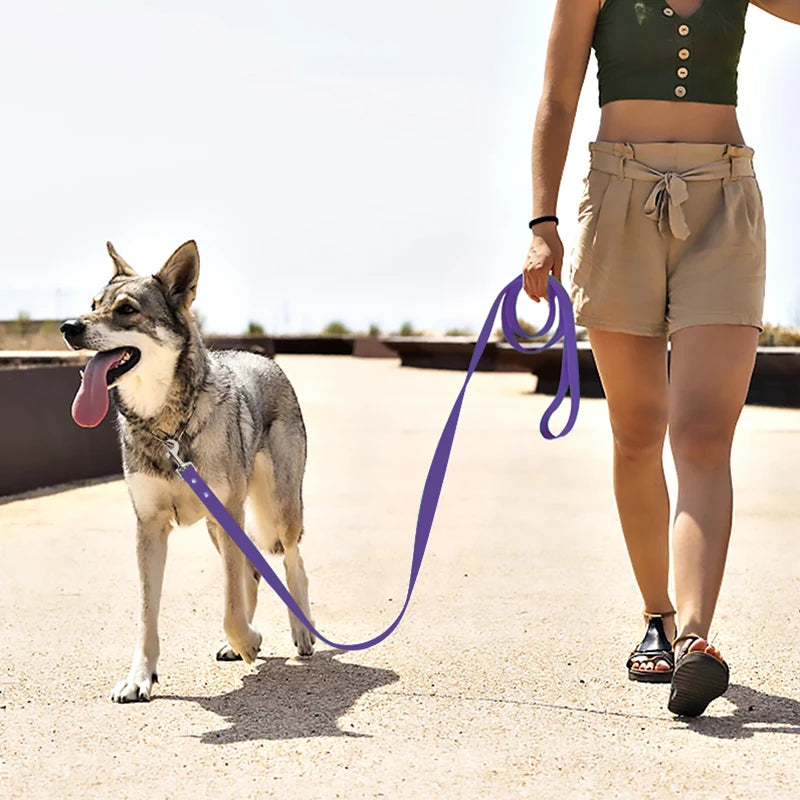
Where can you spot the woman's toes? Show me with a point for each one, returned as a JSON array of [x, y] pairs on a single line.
[[702, 646], [714, 652]]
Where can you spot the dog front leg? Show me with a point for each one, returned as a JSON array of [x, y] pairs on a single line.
[[151, 554], [243, 640]]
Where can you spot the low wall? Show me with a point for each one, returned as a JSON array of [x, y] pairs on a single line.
[[775, 381], [40, 444]]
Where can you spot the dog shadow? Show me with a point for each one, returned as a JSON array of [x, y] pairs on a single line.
[[291, 699], [755, 712]]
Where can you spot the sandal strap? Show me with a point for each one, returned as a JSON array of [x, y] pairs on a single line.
[[655, 640], [693, 636], [690, 637], [652, 656], [648, 615]]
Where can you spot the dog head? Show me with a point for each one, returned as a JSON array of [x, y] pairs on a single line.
[[139, 325]]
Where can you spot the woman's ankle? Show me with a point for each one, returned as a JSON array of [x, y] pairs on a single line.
[[667, 618]]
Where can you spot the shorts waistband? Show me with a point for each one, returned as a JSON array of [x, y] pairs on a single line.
[[726, 161]]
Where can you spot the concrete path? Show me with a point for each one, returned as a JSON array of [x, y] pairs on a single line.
[[506, 678]]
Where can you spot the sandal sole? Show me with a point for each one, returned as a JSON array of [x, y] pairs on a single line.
[[698, 679], [652, 676]]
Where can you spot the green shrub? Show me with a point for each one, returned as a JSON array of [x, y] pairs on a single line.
[[459, 332], [407, 329], [335, 328], [255, 328], [374, 330]]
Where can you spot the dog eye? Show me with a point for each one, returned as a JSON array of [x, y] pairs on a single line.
[[127, 308]]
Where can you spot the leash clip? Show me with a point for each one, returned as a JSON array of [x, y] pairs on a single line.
[[172, 451]]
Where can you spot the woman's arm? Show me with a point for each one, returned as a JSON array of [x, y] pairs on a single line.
[[568, 51], [783, 9]]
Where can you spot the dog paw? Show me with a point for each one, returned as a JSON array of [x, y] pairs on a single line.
[[227, 653], [247, 648], [133, 690], [303, 640]]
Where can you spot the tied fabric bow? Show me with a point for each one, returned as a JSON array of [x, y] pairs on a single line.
[[664, 205]]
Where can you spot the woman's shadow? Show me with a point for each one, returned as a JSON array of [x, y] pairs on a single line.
[[291, 698], [755, 712]]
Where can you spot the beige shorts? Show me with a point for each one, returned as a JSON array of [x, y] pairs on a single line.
[[671, 234]]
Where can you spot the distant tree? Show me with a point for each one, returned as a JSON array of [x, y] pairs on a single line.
[[374, 330], [407, 329], [22, 324], [335, 328], [254, 327]]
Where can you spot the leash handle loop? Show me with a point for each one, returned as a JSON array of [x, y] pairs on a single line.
[[559, 301]]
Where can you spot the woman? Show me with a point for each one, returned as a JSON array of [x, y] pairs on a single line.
[[671, 244]]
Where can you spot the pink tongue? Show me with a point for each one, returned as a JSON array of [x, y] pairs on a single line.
[[91, 402]]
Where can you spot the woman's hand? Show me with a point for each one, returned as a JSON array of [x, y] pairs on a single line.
[[545, 255]]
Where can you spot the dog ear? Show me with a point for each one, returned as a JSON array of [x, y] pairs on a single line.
[[121, 266], [180, 274]]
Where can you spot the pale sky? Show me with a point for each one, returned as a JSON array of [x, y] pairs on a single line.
[[356, 160]]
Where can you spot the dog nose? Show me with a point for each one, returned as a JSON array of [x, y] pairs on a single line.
[[72, 327]]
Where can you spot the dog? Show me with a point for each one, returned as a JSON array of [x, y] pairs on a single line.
[[237, 419]]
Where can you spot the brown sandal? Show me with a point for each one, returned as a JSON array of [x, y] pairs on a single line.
[[697, 679], [653, 648]]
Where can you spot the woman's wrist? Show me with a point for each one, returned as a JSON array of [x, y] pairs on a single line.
[[547, 219]]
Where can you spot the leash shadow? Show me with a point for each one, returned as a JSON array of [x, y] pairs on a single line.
[[291, 699], [755, 712]]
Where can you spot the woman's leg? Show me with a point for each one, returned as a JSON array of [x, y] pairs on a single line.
[[633, 370], [710, 372]]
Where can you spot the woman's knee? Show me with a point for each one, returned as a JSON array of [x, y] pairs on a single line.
[[702, 441], [640, 432]]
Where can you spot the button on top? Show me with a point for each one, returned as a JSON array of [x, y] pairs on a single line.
[[680, 91], [668, 12], [683, 54], [682, 72], [683, 30]]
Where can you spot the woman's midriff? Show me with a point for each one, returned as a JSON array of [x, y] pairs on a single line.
[[668, 121]]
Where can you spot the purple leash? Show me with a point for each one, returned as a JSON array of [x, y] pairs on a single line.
[[557, 297]]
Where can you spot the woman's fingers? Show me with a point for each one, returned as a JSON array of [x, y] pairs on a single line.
[[544, 256], [540, 261]]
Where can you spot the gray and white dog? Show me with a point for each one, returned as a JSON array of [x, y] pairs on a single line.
[[236, 417]]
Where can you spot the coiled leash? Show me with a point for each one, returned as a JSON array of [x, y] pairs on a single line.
[[565, 329]]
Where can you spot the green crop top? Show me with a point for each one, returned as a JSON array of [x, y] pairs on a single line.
[[645, 50]]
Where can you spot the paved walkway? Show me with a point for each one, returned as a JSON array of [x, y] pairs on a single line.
[[506, 678]]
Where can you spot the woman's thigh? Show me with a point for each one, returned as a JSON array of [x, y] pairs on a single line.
[[710, 371], [633, 371]]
